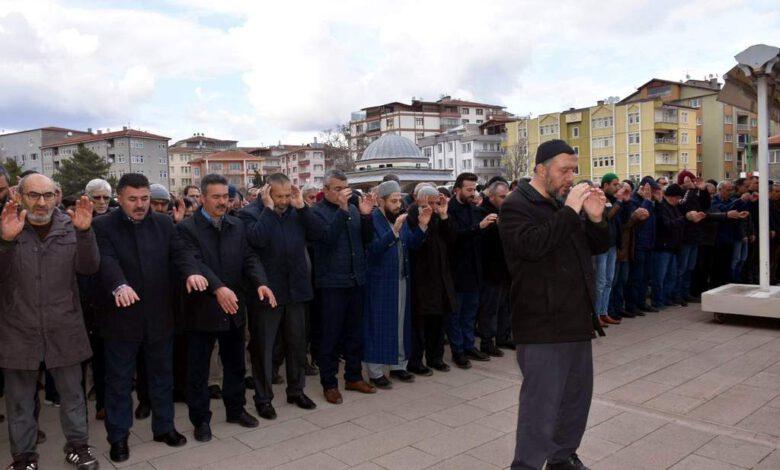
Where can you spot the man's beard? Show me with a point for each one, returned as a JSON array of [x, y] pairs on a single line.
[[555, 192], [38, 219], [392, 216]]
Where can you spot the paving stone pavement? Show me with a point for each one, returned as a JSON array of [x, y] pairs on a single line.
[[673, 391]]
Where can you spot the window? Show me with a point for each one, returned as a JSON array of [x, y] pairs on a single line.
[[427, 151], [121, 159], [137, 159], [601, 142], [728, 138], [728, 156], [441, 163], [137, 144], [727, 120], [684, 117], [698, 120], [602, 123], [633, 118], [695, 103], [466, 148], [698, 157], [485, 146], [600, 162], [684, 138], [575, 132], [234, 166], [163, 174], [480, 111], [451, 163], [774, 156], [318, 167], [684, 157], [163, 161], [389, 122], [359, 129], [576, 150], [33, 156], [467, 164], [698, 139], [418, 121], [633, 138], [439, 148], [464, 121], [549, 129], [480, 121], [633, 159], [450, 147], [754, 122], [215, 167], [464, 110]]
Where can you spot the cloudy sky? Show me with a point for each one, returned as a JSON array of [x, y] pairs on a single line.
[[261, 72]]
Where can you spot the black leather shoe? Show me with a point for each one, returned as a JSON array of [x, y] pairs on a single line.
[[627, 314], [648, 308], [202, 432], [266, 411], [572, 463], [422, 370], [402, 375], [382, 382], [215, 392], [461, 361], [441, 366], [119, 451], [477, 355], [142, 411], [507, 345], [245, 420], [172, 438], [488, 347], [302, 401]]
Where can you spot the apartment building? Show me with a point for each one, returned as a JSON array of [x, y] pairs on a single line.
[[24, 147], [632, 139], [181, 153], [304, 165], [128, 151], [416, 120], [237, 166], [465, 148]]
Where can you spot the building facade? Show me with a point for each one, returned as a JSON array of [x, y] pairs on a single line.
[[465, 148], [237, 166], [128, 151], [181, 153], [304, 165], [416, 120], [24, 147]]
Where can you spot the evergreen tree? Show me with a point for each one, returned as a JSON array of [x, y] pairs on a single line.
[[13, 169], [74, 173]]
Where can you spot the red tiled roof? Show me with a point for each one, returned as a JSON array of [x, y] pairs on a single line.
[[774, 140], [468, 103], [228, 155], [107, 135]]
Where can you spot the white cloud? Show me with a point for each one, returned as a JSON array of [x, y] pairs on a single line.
[[304, 65]]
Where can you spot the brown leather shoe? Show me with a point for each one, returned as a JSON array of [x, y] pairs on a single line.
[[332, 395], [611, 321], [360, 386]]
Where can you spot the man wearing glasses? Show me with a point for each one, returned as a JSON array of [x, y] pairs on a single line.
[[99, 192], [41, 252]]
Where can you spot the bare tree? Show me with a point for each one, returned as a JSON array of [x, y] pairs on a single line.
[[341, 151], [516, 160]]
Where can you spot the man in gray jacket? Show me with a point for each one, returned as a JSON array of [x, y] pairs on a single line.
[[41, 251]]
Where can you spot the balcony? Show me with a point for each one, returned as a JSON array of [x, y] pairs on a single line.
[[665, 160], [743, 127], [740, 144], [666, 120], [489, 153]]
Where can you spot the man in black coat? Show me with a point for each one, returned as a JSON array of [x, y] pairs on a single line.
[[549, 249], [469, 223], [279, 238], [135, 269], [494, 316], [212, 254]]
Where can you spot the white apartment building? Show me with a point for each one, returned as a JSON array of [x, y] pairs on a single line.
[[128, 151], [415, 121], [24, 147], [304, 165], [181, 153], [465, 148]]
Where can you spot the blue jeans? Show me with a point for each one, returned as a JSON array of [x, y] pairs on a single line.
[[686, 264], [619, 287], [120, 367], [460, 329], [641, 271], [664, 277], [605, 274], [738, 257]]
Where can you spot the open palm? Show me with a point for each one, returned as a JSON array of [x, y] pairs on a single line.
[[11, 221], [81, 216]]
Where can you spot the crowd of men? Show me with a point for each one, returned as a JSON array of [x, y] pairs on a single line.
[[131, 288]]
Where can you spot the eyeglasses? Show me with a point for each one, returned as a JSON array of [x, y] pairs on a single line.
[[36, 196], [101, 198]]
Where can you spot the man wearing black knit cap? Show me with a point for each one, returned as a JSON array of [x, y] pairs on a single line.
[[548, 248]]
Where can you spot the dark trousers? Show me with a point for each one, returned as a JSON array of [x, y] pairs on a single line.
[[704, 276], [180, 353], [617, 298], [266, 324], [314, 311], [200, 344], [121, 358], [554, 401], [341, 327], [21, 387], [141, 379], [774, 261], [98, 362], [493, 318], [460, 329], [427, 340], [723, 257], [639, 278]]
